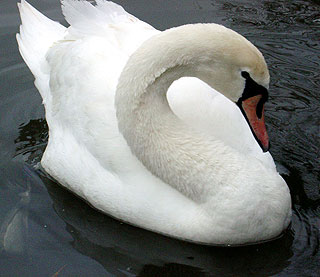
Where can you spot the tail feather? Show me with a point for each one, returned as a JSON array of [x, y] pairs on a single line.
[[37, 34], [104, 12], [86, 18]]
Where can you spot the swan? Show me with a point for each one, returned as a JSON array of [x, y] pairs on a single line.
[[162, 130]]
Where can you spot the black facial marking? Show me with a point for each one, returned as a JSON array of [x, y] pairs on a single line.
[[245, 74], [253, 89]]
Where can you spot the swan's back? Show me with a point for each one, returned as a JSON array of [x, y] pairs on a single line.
[[76, 71], [39, 35]]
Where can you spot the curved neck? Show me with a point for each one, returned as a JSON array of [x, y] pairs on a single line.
[[171, 150]]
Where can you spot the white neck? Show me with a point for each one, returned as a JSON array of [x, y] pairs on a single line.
[[180, 156]]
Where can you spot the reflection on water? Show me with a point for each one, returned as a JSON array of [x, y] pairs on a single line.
[[44, 228], [31, 143], [14, 225]]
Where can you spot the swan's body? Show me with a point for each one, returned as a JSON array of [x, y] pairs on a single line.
[[193, 171]]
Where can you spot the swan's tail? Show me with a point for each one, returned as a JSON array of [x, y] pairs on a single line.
[[83, 15], [105, 19], [37, 34]]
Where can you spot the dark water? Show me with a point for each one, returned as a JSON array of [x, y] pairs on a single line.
[[45, 230]]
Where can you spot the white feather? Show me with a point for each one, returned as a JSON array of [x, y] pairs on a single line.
[[37, 35]]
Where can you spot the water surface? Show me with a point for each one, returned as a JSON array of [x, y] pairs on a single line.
[[45, 229]]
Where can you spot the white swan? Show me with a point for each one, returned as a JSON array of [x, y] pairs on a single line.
[[190, 169]]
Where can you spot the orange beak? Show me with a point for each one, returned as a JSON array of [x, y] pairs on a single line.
[[250, 108]]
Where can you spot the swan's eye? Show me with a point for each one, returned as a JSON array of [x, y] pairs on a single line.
[[245, 74]]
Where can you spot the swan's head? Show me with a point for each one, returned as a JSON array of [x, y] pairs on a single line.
[[233, 66]]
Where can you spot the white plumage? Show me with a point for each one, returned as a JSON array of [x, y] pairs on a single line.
[[77, 70]]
